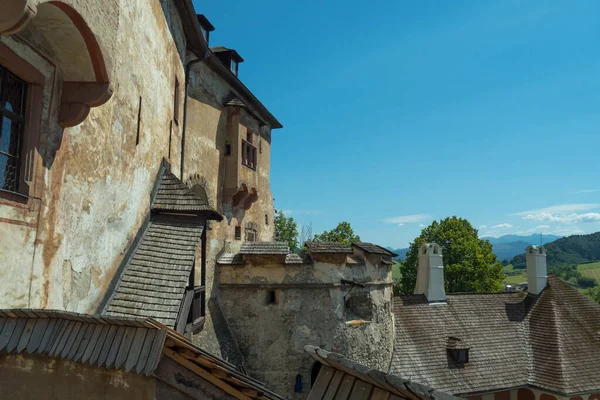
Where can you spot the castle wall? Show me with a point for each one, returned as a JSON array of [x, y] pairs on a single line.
[[62, 248], [210, 127], [311, 307]]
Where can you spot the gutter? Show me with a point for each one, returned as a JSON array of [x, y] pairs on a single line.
[[188, 68]]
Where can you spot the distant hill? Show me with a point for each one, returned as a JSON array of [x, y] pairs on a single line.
[[504, 247], [576, 249], [401, 253], [531, 239]]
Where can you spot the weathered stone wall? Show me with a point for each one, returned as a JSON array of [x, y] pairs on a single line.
[[207, 165], [25, 377], [63, 252], [312, 307]]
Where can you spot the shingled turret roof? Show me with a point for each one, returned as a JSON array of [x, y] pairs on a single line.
[[174, 195]]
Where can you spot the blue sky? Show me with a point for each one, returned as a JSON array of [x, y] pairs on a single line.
[[397, 113]]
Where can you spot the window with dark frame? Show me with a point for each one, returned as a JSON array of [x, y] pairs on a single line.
[[238, 233], [13, 96], [234, 67], [176, 102], [249, 153]]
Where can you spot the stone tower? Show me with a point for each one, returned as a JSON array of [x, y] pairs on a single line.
[[335, 297]]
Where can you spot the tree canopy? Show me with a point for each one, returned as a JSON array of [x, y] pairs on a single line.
[[469, 264], [286, 230], [343, 233]]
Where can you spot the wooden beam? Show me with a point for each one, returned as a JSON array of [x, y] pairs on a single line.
[[204, 374]]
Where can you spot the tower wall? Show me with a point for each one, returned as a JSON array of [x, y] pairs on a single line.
[[274, 310]]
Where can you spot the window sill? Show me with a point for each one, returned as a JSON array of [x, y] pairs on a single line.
[[15, 199], [249, 167]]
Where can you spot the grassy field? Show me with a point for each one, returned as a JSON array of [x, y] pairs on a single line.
[[591, 269], [396, 271]]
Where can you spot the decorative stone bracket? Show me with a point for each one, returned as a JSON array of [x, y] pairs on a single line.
[[245, 197], [85, 84], [78, 97]]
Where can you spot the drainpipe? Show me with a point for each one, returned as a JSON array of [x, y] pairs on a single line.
[[188, 68]]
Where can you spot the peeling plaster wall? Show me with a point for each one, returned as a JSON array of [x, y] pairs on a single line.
[[310, 309], [207, 165], [64, 251], [36, 377]]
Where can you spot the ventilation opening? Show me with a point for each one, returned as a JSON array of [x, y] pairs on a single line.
[[359, 306], [271, 297], [227, 149]]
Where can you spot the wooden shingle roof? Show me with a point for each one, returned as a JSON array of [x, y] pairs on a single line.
[[173, 195], [549, 341], [265, 248], [342, 379], [373, 248], [327, 247], [156, 275], [135, 345]]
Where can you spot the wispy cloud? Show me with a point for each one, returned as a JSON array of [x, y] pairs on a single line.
[[422, 225], [583, 191], [565, 214], [483, 226], [542, 227], [501, 226], [300, 212], [407, 219]]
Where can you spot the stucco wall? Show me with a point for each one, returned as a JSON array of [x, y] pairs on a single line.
[[96, 181], [209, 129], [26, 377], [310, 309]]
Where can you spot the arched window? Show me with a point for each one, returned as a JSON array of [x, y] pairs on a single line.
[[525, 394]]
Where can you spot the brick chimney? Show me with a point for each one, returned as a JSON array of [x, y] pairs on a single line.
[[430, 275], [537, 273]]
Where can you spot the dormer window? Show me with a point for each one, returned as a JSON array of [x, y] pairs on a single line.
[[458, 351], [205, 27], [229, 58]]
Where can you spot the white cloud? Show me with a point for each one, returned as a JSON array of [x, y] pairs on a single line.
[[407, 219], [565, 214], [483, 226], [501, 226], [583, 191], [542, 227], [300, 212], [400, 224], [422, 225]]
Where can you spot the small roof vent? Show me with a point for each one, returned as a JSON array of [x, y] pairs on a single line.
[[205, 27], [458, 351]]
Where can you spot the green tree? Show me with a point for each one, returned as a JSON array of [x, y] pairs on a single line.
[[343, 233], [286, 230], [469, 264], [593, 294]]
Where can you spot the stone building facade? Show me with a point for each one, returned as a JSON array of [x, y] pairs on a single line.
[[335, 297], [103, 100]]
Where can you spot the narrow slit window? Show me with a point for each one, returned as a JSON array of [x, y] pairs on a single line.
[[176, 102], [271, 297], [238, 233]]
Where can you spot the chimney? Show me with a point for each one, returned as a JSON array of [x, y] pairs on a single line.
[[537, 273], [430, 275]]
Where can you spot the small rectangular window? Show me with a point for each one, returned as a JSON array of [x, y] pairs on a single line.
[[234, 67], [249, 154], [176, 102], [238, 233], [266, 219], [227, 149], [271, 297]]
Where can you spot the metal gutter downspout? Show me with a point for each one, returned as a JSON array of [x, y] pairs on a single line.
[[188, 68]]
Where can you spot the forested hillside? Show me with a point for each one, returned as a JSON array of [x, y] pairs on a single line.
[[576, 249]]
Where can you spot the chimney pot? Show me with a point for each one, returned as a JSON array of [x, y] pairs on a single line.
[[537, 272], [430, 275]]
